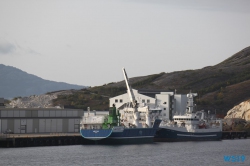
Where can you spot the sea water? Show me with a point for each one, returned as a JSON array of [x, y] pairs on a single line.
[[165, 153]]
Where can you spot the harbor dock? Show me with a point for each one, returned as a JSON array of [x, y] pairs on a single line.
[[60, 139], [234, 134], [52, 139]]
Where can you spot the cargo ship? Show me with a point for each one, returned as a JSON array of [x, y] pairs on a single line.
[[193, 126], [102, 129], [120, 126]]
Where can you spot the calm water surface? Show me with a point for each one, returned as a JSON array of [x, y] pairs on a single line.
[[167, 153]]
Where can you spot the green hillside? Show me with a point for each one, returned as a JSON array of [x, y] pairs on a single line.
[[219, 87]]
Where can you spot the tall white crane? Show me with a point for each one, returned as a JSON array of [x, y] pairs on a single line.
[[130, 91], [136, 110], [132, 99]]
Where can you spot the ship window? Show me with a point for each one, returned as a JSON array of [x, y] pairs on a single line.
[[120, 100], [116, 100], [148, 101], [165, 103], [164, 108], [164, 114], [143, 101]]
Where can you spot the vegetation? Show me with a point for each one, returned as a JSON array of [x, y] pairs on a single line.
[[6, 101], [146, 81], [15, 98], [82, 100], [219, 87], [98, 97]]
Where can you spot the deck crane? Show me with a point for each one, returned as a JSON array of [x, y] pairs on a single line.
[[136, 110]]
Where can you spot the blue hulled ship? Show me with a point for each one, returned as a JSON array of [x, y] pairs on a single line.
[[120, 126], [103, 129], [193, 126]]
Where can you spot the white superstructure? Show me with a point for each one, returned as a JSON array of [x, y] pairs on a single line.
[[133, 113], [169, 102], [193, 121]]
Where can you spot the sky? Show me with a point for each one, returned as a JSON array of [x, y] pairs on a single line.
[[88, 42]]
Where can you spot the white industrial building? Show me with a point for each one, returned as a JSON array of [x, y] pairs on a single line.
[[169, 102]]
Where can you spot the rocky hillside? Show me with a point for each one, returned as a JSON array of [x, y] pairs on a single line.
[[15, 82], [80, 99], [37, 101], [241, 111], [219, 87]]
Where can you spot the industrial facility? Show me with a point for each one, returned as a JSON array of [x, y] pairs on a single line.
[[40, 120], [169, 102], [57, 120]]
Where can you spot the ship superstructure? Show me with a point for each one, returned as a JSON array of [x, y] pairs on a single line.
[[194, 125], [135, 114], [120, 126]]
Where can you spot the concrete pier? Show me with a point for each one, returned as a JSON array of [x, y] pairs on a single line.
[[30, 140], [60, 139]]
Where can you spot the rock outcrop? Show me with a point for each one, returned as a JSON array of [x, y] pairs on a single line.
[[240, 111], [37, 101]]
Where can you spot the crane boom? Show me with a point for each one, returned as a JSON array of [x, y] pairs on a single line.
[[130, 91]]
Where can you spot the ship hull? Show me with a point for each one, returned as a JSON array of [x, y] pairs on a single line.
[[126, 136], [95, 134], [132, 136], [171, 135]]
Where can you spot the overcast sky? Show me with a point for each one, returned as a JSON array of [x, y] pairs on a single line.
[[87, 42]]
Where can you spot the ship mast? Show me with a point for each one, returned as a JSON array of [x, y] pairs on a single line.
[[190, 105], [132, 98]]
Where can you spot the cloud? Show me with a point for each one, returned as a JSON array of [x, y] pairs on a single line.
[[7, 48], [15, 49], [30, 51]]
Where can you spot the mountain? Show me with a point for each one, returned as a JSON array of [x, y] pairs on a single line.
[[15, 82], [219, 87]]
